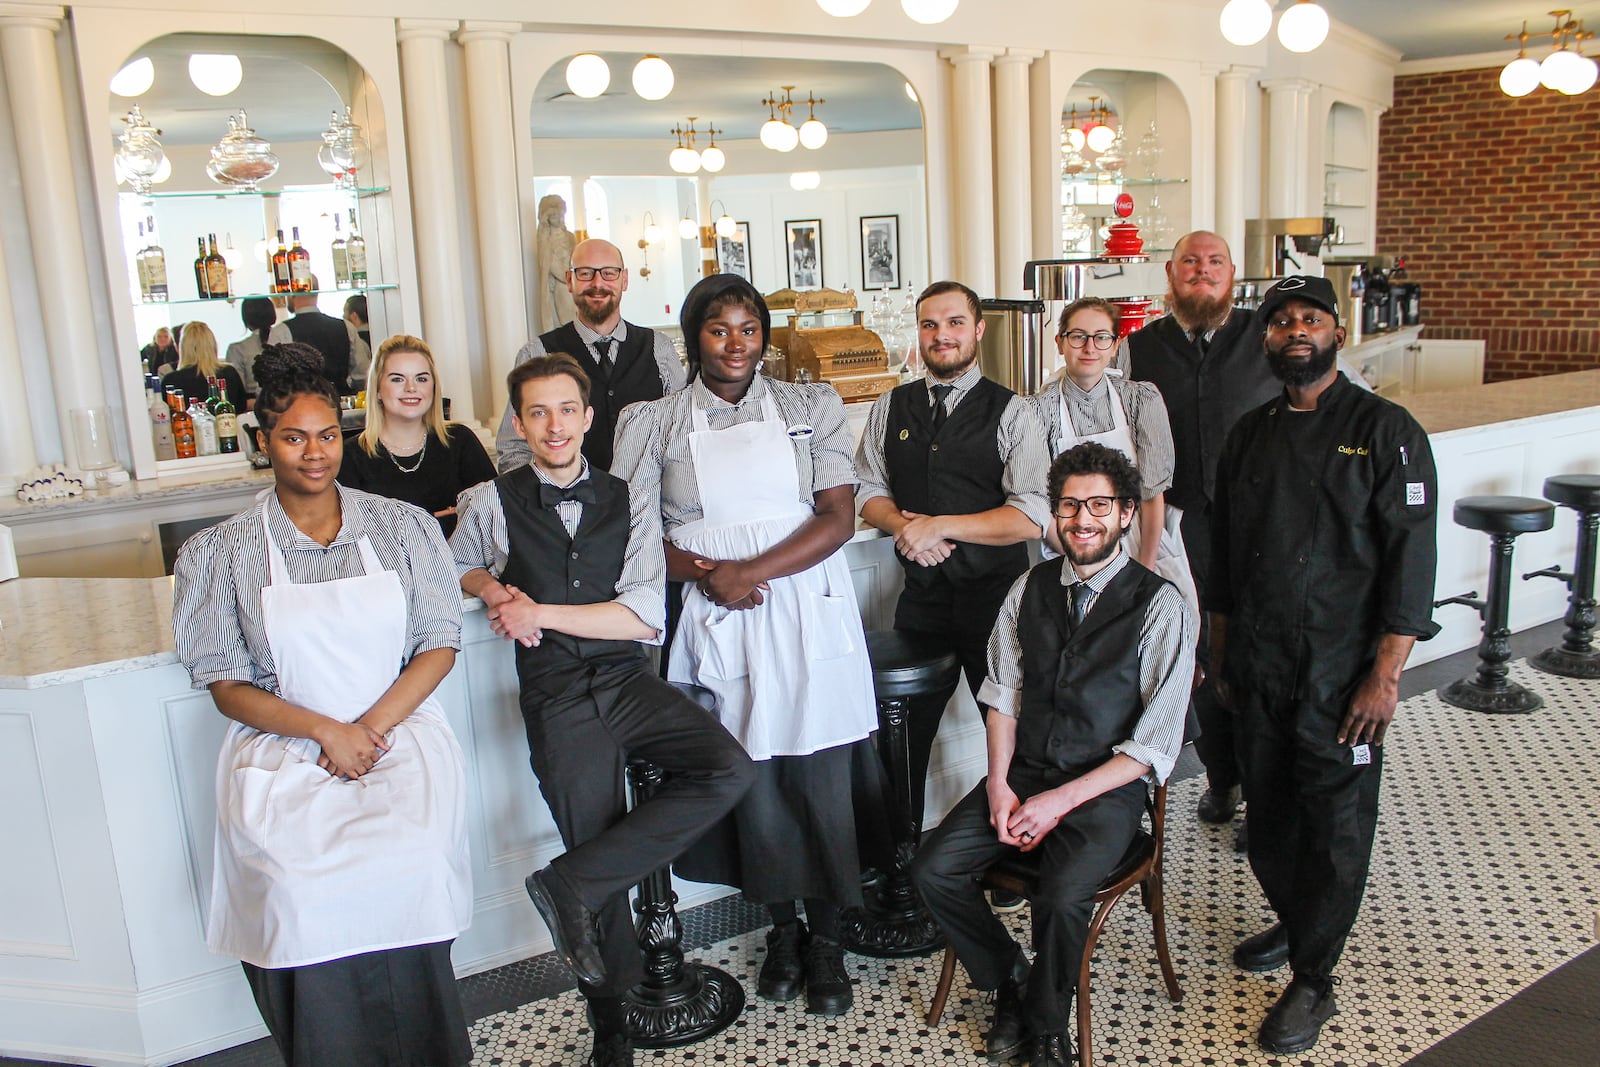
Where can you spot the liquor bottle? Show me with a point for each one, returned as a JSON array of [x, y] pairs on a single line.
[[227, 420], [182, 426], [155, 263], [355, 248], [160, 420], [299, 266], [341, 261], [202, 280], [141, 264], [205, 428], [280, 267], [217, 272]]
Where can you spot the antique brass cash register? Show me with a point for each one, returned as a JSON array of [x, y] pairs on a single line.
[[847, 356]]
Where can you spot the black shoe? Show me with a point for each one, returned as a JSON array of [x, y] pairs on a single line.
[[1241, 835], [1005, 902], [1266, 951], [1006, 1034], [574, 928], [1050, 1050], [1294, 1023], [828, 990], [1217, 805], [615, 1050], [782, 975]]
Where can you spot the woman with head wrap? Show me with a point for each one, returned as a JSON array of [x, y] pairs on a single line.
[[757, 491]]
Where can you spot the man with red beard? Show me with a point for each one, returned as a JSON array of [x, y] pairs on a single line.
[[1205, 357], [626, 363]]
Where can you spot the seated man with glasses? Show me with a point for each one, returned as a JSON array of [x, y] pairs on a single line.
[[1088, 402], [626, 363], [1089, 672]]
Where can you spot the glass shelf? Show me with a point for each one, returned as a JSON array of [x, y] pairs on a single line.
[[1328, 204], [1345, 166], [268, 194], [236, 297], [1119, 179]]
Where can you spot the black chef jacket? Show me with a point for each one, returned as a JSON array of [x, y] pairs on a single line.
[[1324, 528]]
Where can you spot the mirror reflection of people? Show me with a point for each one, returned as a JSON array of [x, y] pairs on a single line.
[[198, 362], [355, 316], [321, 621], [328, 335], [261, 319], [407, 450], [756, 490], [160, 356]]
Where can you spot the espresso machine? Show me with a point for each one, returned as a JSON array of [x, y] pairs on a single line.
[[1277, 248]]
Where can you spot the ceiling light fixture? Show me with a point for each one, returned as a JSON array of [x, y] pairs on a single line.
[[1565, 70], [712, 158], [802, 180], [843, 9], [1246, 22], [684, 159], [813, 134], [1303, 27], [1100, 135], [929, 12], [215, 74], [653, 78], [588, 75], [776, 133], [134, 79]]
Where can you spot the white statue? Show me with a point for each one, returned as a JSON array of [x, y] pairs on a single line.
[[553, 244]]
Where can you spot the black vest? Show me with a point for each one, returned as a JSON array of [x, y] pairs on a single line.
[[632, 377], [1080, 689], [553, 568], [958, 473]]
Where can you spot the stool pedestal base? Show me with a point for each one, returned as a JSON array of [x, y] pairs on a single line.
[[1507, 698], [1568, 664], [892, 922]]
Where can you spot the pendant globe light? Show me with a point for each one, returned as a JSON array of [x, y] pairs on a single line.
[[776, 133], [712, 158], [1246, 22], [929, 12], [653, 78], [1303, 27], [215, 75], [1566, 71], [843, 9], [1520, 76], [588, 75], [135, 79], [812, 133]]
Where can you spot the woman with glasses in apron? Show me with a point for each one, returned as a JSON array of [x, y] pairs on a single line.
[[1085, 403], [322, 620], [757, 491]]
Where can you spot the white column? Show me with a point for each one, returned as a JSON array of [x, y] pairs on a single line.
[[492, 122], [433, 187], [1232, 85], [972, 144], [39, 120], [580, 207], [1013, 169], [1044, 119], [16, 425], [1289, 148]]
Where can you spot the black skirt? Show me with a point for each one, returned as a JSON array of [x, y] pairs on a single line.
[[397, 1008], [803, 831]]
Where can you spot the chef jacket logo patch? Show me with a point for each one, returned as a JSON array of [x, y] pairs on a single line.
[[1352, 450], [1360, 756], [904, 434], [1416, 494]]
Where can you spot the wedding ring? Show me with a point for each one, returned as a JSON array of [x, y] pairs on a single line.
[[1026, 836]]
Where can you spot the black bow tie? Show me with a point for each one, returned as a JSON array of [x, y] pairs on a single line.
[[551, 495]]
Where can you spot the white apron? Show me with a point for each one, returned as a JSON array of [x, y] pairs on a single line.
[[1172, 562], [790, 676], [310, 867]]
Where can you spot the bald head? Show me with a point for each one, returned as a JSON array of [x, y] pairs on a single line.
[[1200, 280], [598, 298]]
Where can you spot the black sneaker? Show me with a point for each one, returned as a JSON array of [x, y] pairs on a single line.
[[1006, 1034], [614, 1050], [574, 928], [1005, 902], [782, 974], [1050, 1050], [1294, 1023], [1217, 805], [828, 990]]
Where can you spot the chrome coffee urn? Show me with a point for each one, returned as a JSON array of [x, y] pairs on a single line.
[[1018, 349]]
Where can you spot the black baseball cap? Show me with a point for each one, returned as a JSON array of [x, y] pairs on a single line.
[[1318, 291]]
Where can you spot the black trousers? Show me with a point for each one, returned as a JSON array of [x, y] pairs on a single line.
[[579, 745], [1313, 814], [1074, 859], [1215, 745]]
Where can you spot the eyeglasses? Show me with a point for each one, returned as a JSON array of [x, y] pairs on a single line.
[[1099, 506], [586, 274], [1080, 339]]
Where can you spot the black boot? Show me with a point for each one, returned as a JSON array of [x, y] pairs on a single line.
[[613, 1050], [1007, 1034], [781, 973], [1294, 1023], [1217, 805], [1050, 1050], [828, 990], [1266, 951]]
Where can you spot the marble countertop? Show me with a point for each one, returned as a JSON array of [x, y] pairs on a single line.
[[1499, 403], [59, 630], [14, 512]]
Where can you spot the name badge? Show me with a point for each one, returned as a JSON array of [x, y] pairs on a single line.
[[1416, 493], [801, 431], [1360, 756]]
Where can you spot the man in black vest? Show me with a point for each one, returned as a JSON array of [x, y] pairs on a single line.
[[1089, 668], [626, 363], [326, 334], [1205, 357], [953, 468], [569, 565]]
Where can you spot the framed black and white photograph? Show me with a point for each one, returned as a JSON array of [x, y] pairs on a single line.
[[880, 252], [803, 247], [733, 253]]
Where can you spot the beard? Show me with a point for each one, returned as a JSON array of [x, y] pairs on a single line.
[[947, 366], [1196, 311], [593, 315], [1088, 557], [1298, 372]]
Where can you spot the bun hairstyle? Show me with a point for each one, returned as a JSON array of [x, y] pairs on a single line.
[[711, 295], [284, 372], [259, 315]]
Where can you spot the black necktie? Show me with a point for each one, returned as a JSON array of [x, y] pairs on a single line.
[[940, 392], [606, 347], [1080, 602], [551, 495]]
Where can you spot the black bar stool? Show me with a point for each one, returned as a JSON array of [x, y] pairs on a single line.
[[892, 921], [1502, 518], [678, 1002], [1576, 656]]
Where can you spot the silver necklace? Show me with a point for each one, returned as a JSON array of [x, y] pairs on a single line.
[[415, 466]]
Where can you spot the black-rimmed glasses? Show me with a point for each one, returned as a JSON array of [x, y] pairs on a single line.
[[586, 274], [1081, 339], [1066, 507]]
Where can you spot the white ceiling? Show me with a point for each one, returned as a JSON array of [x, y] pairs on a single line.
[[1426, 29]]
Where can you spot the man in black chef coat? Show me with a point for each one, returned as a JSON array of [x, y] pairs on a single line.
[[1323, 526], [1205, 357], [568, 563], [626, 363]]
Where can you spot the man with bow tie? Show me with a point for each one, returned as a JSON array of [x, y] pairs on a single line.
[[569, 565]]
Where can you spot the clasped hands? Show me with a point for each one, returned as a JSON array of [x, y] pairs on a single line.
[[1023, 824], [922, 541], [515, 617], [349, 749], [728, 584]]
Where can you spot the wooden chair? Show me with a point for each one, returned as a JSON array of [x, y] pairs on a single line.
[[1142, 866]]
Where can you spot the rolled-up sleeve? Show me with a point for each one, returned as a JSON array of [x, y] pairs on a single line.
[[832, 459], [479, 540], [435, 591], [1166, 672], [1002, 685], [872, 470], [1152, 437], [1025, 450], [205, 612], [510, 450]]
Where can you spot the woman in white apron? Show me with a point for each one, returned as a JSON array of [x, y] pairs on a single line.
[[1085, 403], [757, 489], [321, 620]]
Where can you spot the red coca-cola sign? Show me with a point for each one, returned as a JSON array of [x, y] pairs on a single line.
[[1123, 205]]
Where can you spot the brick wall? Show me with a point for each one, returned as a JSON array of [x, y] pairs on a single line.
[[1496, 204]]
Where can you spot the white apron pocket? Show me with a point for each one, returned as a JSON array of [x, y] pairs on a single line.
[[828, 625]]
